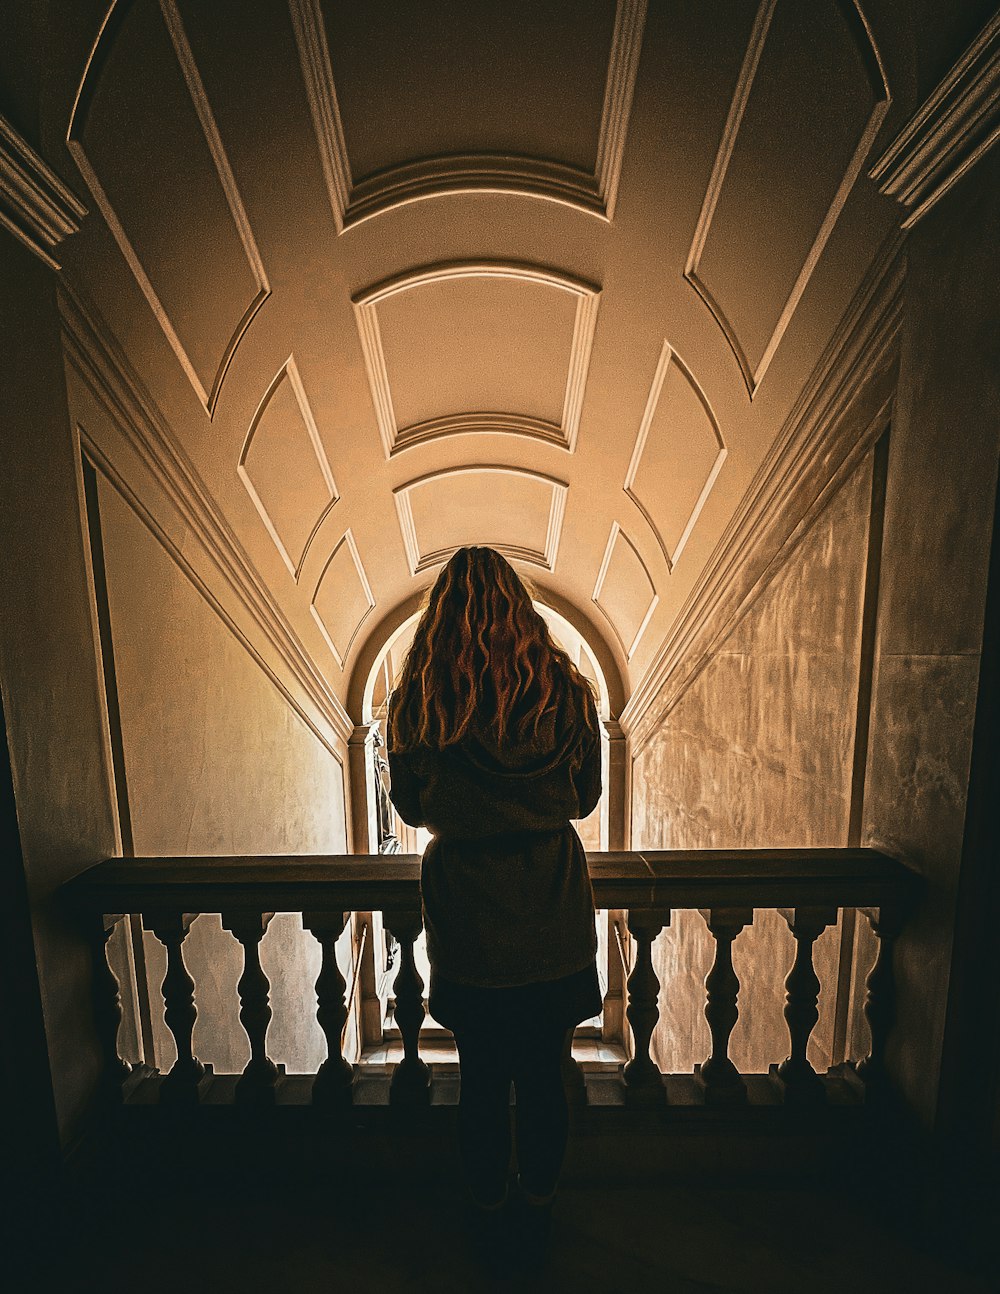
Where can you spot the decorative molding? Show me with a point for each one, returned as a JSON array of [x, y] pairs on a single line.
[[546, 557], [117, 481], [395, 438], [463, 424], [317, 73], [754, 375], [820, 434], [949, 133], [289, 370], [206, 118], [668, 356], [35, 205], [616, 534], [98, 359], [348, 539], [593, 192]]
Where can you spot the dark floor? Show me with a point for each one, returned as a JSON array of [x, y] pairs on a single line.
[[283, 1238]]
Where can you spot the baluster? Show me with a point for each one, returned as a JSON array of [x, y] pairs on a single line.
[[572, 1075], [410, 1083], [880, 1000], [335, 1077], [257, 1082], [801, 1083], [721, 1080], [179, 1010], [643, 1081], [108, 1009]]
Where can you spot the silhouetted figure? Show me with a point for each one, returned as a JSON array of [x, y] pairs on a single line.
[[493, 742]]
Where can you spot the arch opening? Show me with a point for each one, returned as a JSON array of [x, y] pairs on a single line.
[[389, 658]]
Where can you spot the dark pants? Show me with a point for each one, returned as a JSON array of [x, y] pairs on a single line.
[[527, 1053]]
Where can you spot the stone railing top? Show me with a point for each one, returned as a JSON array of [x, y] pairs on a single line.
[[662, 879]]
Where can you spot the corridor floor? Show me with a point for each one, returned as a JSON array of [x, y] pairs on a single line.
[[686, 1240]]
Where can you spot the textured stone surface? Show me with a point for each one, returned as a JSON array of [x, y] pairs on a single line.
[[758, 753], [916, 796], [943, 460]]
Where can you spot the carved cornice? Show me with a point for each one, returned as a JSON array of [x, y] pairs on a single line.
[[949, 133], [100, 362], [820, 436], [35, 205]]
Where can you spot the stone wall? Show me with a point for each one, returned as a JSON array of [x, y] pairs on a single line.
[[758, 753], [216, 763], [940, 501]]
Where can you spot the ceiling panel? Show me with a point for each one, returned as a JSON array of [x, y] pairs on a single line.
[[285, 469], [678, 454], [416, 97], [425, 78], [517, 511], [146, 142], [807, 105], [624, 590], [343, 598], [477, 347]]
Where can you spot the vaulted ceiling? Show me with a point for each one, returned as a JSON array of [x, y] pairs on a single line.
[[400, 276]]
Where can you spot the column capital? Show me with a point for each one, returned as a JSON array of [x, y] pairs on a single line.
[[613, 730]]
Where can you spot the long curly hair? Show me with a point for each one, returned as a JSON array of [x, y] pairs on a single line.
[[482, 652]]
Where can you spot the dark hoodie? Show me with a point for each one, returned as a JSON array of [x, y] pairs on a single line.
[[506, 892]]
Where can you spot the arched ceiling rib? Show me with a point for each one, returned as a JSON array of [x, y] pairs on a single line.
[[364, 381]]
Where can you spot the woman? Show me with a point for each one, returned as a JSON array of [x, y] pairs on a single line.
[[494, 746]]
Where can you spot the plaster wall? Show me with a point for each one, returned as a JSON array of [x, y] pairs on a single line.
[[52, 689], [939, 519], [216, 763], [758, 753]]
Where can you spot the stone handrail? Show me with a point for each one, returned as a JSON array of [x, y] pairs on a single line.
[[807, 886]]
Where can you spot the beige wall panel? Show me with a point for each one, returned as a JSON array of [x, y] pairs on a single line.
[[758, 753], [467, 345], [216, 763], [529, 80]]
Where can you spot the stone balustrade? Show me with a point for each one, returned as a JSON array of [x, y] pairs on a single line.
[[808, 887]]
